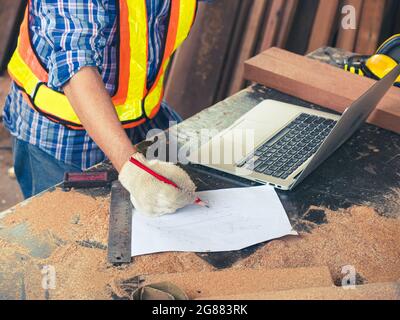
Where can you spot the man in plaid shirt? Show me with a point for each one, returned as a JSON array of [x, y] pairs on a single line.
[[76, 41]]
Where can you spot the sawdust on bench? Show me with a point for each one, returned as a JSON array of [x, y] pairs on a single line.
[[8, 248], [82, 272], [358, 237], [68, 215]]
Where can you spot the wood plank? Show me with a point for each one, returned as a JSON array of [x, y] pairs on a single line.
[[247, 49], [287, 22], [347, 37], [195, 74], [234, 49], [323, 24], [11, 12], [273, 24], [374, 291], [370, 26], [300, 32], [199, 285], [321, 84]]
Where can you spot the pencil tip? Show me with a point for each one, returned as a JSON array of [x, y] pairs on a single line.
[[202, 203]]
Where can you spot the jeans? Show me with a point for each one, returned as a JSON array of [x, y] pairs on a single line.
[[35, 170]]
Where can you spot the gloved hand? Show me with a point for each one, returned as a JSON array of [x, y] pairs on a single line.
[[151, 196]]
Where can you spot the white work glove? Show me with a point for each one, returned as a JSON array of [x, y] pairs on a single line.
[[151, 196]]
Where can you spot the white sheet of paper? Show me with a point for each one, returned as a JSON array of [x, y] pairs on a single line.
[[236, 219]]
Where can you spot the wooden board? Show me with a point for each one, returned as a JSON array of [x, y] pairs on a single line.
[[248, 46], [10, 15], [321, 84], [273, 24], [233, 282], [347, 37], [196, 72], [279, 23], [234, 50], [270, 24], [303, 21], [286, 22], [370, 26], [323, 24], [375, 291]]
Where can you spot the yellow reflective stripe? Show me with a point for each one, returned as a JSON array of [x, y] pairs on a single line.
[[186, 16], [138, 43], [55, 104], [130, 110], [155, 96], [21, 72], [47, 98]]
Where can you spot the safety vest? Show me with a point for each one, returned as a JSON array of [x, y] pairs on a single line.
[[133, 100]]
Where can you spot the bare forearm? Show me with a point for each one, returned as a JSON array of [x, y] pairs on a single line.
[[92, 103]]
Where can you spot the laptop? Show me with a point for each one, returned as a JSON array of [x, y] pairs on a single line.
[[288, 142]]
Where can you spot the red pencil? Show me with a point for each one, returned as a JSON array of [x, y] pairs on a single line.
[[161, 178]]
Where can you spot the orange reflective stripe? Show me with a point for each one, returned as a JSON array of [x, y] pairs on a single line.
[[124, 54], [173, 29], [131, 125], [26, 51]]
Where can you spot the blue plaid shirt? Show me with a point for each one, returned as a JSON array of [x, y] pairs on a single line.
[[68, 35]]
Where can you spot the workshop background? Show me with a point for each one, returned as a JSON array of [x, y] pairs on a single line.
[[209, 66]]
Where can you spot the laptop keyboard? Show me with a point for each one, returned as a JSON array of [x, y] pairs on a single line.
[[290, 148]]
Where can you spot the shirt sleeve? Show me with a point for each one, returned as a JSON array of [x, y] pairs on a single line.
[[74, 30]]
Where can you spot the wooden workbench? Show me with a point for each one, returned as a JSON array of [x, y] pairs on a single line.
[[364, 172]]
